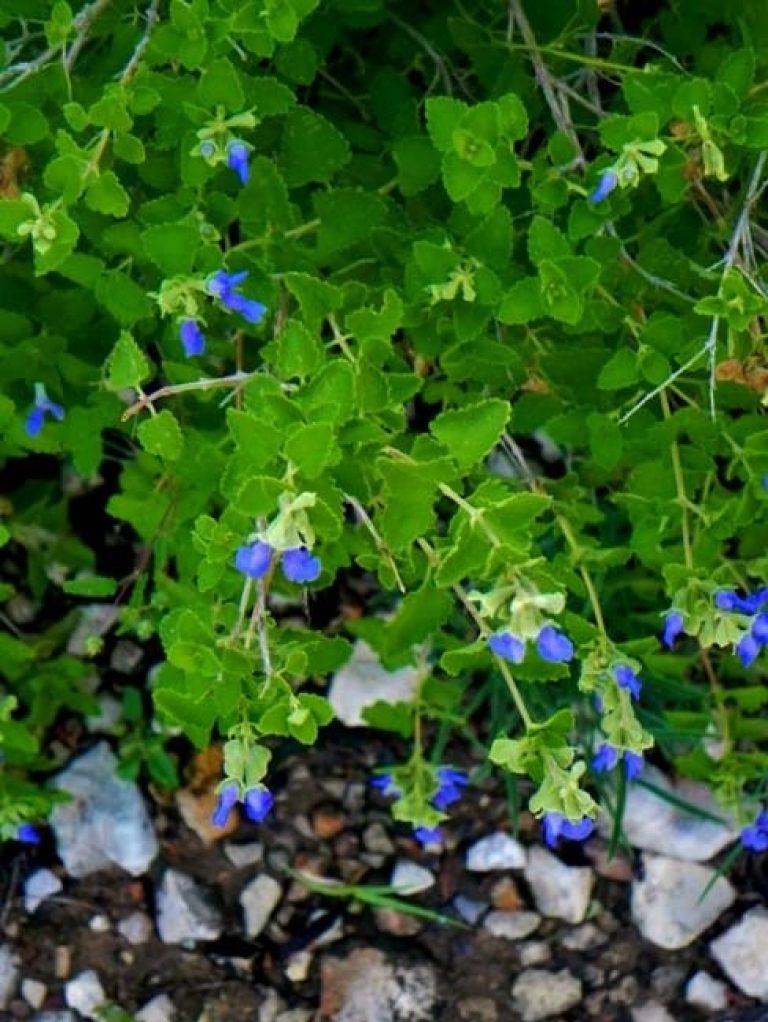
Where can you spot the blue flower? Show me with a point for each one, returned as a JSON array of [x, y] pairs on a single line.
[[207, 149], [556, 826], [222, 286], [43, 406], [237, 159], [553, 645], [192, 337], [450, 783], [507, 646], [385, 784], [754, 601], [229, 796], [633, 765], [765, 482], [605, 759], [28, 834], [755, 837], [760, 629], [608, 181], [748, 650], [673, 626], [626, 678], [726, 599], [300, 566], [253, 560], [428, 836], [258, 802]]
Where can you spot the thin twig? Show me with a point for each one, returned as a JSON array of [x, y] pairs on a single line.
[[151, 17], [440, 65], [546, 80], [238, 379], [71, 55]]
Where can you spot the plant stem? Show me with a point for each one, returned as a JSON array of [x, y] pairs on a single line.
[[586, 577], [682, 498]]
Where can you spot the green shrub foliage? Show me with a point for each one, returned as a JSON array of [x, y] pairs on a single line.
[[439, 326]]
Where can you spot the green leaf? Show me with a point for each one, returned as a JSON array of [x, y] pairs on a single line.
[[347, 216], [386, 716], [522, 303], [27, 124], [106, 195], [127, 365], [417, 162], [161, 434], [220, 85], [443, 118], [90, 585], [471, 432], [312, 448], [171, 247], [127, 302], [605, 440], [619, 371], [306, 132], [299, 351]]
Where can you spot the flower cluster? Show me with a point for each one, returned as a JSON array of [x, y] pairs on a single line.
[[551, 645], [555, 826], [257, 802], [43, 406], [749, 646], [298, 564], [222, 286], [450, 785], [755, 837]]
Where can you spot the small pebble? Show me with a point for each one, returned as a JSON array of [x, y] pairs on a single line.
[[244, 855], [99, 924], [704, 991], [259, 899], [512, 925], [496, 851], [410, 878], [534, 952], [582, 937], [505, 895], [469, 909], [39, 886], [159, 1009], [298, 965], [33, 992], [85, 993], [135, 928]]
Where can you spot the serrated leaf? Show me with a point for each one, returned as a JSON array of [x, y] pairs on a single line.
[[106, 195], [306, 132], [161, 434], [471, 432], [171, 247], [90, 585], [127, 365], [312, 448]]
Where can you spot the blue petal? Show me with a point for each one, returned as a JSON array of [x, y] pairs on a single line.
[[673, 626], [552, 825], [605, 186], [605, 759], [748, 651], [553, 645], [237, 159], [28, 834], [428, 835], [578, 831], [254, 560], [760, 629], [228, 796], [192, 338], [627, 679], [755, 838], [251, 310], [300, 566], [34, 422], [633, 765], [507, 646], [258, 802], [385, 784], [726, 599]]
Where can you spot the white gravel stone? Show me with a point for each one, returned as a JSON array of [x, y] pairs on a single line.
[[9, 975], [33, 992], [411, 878], [259, 900], [538, 993], [297, 967], [99, 924], [362, 681], [135, 928], [742, 953], [38, 886], [159, 1009], [85, 993], [512, 925], [55, 1016], [184, 912], [470, 909], [655, 825], [106, 822], [583, 937], [560, 891], [651, 1011], [704, 991], [372, 989], [534, 952], [497, 851], [109, 716], [667, 905], [244, 855]]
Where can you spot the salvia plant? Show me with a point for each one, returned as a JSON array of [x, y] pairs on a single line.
[[438, 326]]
